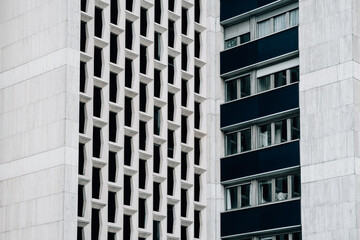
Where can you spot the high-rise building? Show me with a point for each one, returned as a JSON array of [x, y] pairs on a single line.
[[179, 119]]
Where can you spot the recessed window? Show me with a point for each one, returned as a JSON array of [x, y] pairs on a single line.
[[184, 92], [98, 22], [170, 218], [143, 97], [97, 62], [113, 48], [171, 70], [170, 181], [170, 144], [156, 197], [97, 102], [157, 158], [143, 22], [197, 11], [197, 115], [197, 44], [157, 120], [127, 190], [142, 213], [184, 202], [83, 5], [197, 187], [157, 46], [158, 11], [96, 142], [184, 21], [127, 227], [237, 142], [96, 182], [184, 57], [143, 59], [112, 166], [184, 130], [111, 207], [197, 224], [112, 126], [184, 165], [197, 80], [129, 5], [142, 135], [82, 116], [142, 173], [128, 111], [113, 87], [183, 233], [80, 200], [128, 35], [197, 151], [111, 236], [81, 167], [156, 230], [171, 106], [128, 73], [95, 223], [237, 88], [114, 11], [171, 4], [157, 83], [83, 37], [127, 150], [171, 33], [82, 77]]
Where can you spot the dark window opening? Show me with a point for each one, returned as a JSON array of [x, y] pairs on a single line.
[[95, 224], [171, 34], [197, 115], [112, 126], [82, 76], [184, 165], [142, 173], [127, 150], [157, 11], [97, 101], [142, 135], [244, 38], [197, 188], [170, 144], [170, 179], [83, 36], [184, 129], [171, 106], [157, 46], [184, 21], [157, 83], [197, 80], [143, 21], [157, 159], [111, 206], [127, 190], [183, 202], [80, 233], [112, 167], [183, 233], [81, 158], [171, 71], [113, 48], [96, 142], [197, 224], [82, 114], [80, 200], [83, 5], [128, 111], [171, 5], [97, 62], [113, 87], [197, 44], [197, 11], [143, 59], [96, 183], [111, 236], [128, 35], [143, 97], [170, 218], [127, 227], [142, 213], [157, 119], [114, 11], [156, 197], [197, 151], [184, 92], [129, 5], [98, 22], [156, 230], [128, 72], [184, 57]]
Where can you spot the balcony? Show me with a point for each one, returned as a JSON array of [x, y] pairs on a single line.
[[261, 218], [259, 50], [232, 8], [260, 161], [260, 105]]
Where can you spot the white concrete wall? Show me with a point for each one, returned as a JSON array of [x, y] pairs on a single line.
[[39, 72], [215, 95], [329, 103]]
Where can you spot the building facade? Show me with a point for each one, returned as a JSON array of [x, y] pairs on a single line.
[[179, 119]]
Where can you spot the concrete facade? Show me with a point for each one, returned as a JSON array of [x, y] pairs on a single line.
[[39, 65], [329, 103]]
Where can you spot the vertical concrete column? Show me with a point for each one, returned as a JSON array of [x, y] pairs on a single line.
[[39, 72], [329, 104], [215, 96]]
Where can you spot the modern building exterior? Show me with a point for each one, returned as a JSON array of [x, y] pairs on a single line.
[[260, 120], [179, 119]]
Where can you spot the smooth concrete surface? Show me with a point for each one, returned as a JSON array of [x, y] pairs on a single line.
[[39, 66]]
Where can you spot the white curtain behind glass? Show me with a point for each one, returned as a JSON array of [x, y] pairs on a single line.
[[294, 17], [264, 28], [279, 23]]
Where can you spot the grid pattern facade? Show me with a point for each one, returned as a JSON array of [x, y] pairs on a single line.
[[141, 132]]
